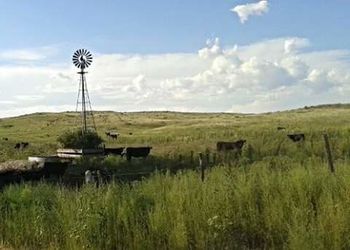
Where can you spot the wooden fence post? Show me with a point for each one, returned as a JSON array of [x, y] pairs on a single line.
[[329, 153], [201, 165], [207, 154], [180, 158], [214, 158]]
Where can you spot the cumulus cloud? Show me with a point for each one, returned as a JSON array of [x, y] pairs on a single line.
[[294, 44], [265, 76], [251, 9], [213, 49]]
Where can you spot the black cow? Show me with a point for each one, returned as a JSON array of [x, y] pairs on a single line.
[[112, 135], [130, 152], [281, 128], [5, 138], [21, 145], [296, 137], [226, 146], [113, 151]]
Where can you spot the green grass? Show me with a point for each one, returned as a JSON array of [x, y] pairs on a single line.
[[250, 207], [179, 133], [278, 195]]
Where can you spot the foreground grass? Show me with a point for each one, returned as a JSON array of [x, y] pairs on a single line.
[[248, 207]]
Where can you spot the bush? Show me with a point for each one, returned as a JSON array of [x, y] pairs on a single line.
[[76, 139]]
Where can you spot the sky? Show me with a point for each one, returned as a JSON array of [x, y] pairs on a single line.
[[247, 56]]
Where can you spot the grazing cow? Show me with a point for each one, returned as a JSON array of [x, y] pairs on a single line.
[[226, 146], [296, 137], [112, 135], [5, 138], [136, 152], [21, 145], [281, 128], [130, 133], [113, 151]]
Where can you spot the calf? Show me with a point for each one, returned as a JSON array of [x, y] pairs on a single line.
[[296, 137], [21, 145], [112, 135], [130, 152], [226, 146]]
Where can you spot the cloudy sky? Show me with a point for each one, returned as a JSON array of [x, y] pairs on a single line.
[[196, 55]]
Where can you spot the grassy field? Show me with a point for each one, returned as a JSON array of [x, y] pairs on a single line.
[[179, 133], [277, 195]]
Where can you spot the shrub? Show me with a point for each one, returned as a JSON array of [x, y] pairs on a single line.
[[78, 139]]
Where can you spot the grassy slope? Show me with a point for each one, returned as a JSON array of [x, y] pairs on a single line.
[[272, 200], [174, 133]]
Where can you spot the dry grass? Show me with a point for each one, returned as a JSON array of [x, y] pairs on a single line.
[[19, 166]]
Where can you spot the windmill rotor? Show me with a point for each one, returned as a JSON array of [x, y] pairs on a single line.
[[82, 58]]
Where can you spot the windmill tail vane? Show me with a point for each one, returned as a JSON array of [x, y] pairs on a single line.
[[82, 59]]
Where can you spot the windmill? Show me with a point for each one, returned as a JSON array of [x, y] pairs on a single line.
[[82, 59]]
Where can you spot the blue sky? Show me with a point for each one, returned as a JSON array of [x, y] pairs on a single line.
[[196, 55], [157, 26]]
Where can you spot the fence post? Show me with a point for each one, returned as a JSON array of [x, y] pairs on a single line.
[[180, 158], [180, 161], [207, 156], [329, 153], [201, 165]]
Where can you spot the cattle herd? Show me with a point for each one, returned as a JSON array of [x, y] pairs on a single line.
[[221, 146], [237, 146], [143, 152]]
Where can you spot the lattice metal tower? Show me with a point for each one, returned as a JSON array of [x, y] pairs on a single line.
[[82, 59]]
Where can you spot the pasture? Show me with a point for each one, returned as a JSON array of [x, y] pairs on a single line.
[[278, 194]]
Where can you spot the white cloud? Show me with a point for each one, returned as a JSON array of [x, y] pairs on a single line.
[[22, 55], [294, 44], [265, 76], [30, 98], [251, 9], [213, 49], [27, 55]]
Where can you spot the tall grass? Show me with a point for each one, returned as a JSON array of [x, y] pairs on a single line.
[[301, 206]]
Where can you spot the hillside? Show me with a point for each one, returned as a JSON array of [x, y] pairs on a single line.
[[174, 133], [278, 194]]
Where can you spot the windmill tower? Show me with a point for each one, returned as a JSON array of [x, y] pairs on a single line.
[[82, 59]]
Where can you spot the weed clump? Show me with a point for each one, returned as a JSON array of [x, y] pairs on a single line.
[[78, 139]]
